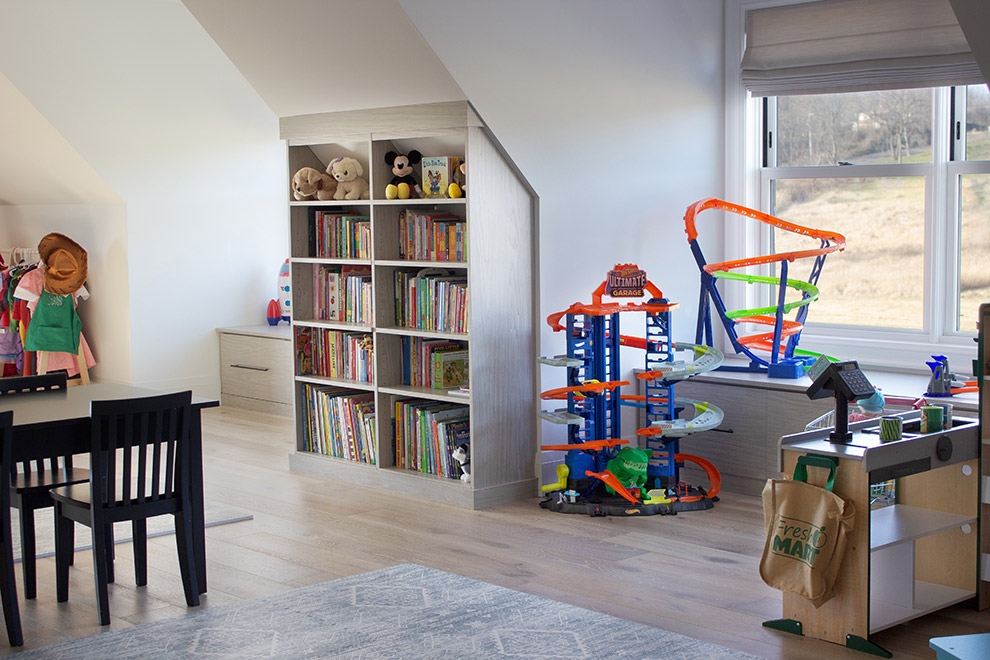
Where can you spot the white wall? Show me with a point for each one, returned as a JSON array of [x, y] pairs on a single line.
[[46, 186], [614, 113], [153, 105]]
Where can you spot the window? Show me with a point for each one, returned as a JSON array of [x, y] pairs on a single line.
[[895, 173], [839, 121]]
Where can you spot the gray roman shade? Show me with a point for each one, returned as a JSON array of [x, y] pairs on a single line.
[[836, 46]]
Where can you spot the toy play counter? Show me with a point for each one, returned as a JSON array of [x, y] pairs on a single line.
[[906, 558]]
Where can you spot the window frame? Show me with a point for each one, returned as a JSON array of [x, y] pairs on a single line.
[[748, 182]]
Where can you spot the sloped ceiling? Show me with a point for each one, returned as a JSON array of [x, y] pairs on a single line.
[[308, 56], [38, 165]]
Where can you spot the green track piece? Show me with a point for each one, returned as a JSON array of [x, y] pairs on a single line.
[[803, 287]]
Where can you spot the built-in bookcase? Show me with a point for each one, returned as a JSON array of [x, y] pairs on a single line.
[[372, 278]]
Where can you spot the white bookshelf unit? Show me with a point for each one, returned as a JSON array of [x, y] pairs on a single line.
[[500, 267]]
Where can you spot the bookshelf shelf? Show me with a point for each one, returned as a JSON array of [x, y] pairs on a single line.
[[344, 383], [414, 332], [331, 261], [409, 263], [424, 393], [492, 236], [439, 201]]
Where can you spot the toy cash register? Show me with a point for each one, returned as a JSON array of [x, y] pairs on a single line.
[[845, 382]]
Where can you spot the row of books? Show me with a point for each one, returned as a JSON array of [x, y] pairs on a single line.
[[340, 423], [436, 363], [334, 354], [342, 293], [431, 236], [431, 300], [336, 235], [426, 432]]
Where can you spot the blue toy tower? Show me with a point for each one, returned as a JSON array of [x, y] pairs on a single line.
[[594, 393]]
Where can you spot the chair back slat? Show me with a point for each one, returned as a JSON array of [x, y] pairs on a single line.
[[143, 434], [156, 456], [173, 422]]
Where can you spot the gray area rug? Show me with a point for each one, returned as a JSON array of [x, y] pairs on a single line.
[[44, 528], [406, 612]]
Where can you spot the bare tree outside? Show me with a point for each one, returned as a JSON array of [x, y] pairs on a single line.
[[859, 128]]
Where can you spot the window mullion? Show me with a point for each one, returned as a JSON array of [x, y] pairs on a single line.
[[940, 234]]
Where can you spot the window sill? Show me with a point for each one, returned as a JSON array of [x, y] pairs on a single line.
[[892, 383]]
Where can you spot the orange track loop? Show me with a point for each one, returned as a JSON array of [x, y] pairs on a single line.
[[713, 476], [597, 388], [642, 397], [838, 240], [605, 309], [612, 481], [591, 445], [764, 341], [771, 259], [793, 326]]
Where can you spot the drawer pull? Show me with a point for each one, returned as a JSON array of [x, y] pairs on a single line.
[[244, 366]]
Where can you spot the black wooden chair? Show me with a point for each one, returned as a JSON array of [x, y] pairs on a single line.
[[8, 585], [140, 468], [31, 480]]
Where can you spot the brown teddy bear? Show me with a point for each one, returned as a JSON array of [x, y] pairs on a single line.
[[347, 171], [310, 183]]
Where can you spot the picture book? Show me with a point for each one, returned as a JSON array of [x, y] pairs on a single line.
[[304, 351], [438, 172], [450, 369]]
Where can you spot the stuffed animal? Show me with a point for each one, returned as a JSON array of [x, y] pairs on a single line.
[[458, 187], [310, 183], [404, 184], [460, 454], [350, 185]]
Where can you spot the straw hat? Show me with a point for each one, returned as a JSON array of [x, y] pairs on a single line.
[[65, 264]]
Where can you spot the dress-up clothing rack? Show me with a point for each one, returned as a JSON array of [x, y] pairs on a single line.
[[28, 255], [19, 255]]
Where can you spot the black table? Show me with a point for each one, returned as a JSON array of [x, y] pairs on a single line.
[[38, 415]]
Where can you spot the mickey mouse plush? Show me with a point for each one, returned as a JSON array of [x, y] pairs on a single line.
[[404, 184]]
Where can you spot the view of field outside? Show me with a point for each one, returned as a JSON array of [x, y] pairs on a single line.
[[878, 279]]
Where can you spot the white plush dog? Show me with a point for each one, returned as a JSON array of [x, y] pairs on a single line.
[[347, 171]]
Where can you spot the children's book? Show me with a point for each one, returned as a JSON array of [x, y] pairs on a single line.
[[304, 351], [438, 172], [450, 369]]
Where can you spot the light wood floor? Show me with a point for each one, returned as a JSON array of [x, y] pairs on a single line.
[[694, 573]]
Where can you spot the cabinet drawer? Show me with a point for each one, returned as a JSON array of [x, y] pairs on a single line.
[[256, 367]]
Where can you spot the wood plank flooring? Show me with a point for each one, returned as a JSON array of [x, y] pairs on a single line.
[[694, 573]]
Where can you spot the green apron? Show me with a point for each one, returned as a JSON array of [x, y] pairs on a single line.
[[54, 326]]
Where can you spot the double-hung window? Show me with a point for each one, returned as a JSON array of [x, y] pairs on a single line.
[[902, 173]]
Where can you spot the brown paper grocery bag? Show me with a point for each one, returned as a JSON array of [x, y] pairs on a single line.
[[806, 527]]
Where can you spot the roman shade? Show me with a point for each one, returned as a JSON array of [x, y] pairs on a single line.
[[836, 46]]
